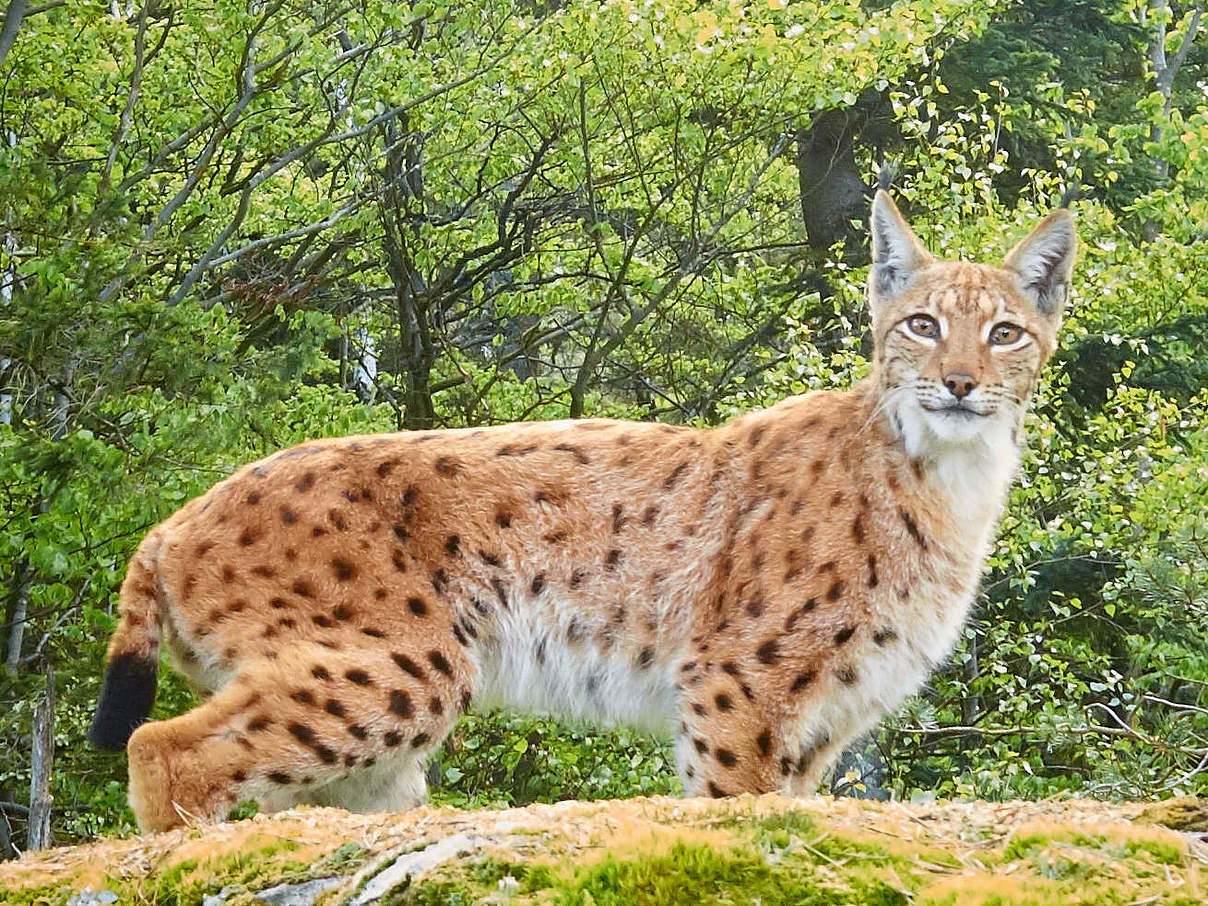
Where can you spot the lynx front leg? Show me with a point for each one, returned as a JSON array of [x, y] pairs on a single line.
[[351, 730]]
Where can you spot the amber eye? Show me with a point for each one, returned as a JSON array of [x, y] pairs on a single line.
[[1005, 334], [923, 326]]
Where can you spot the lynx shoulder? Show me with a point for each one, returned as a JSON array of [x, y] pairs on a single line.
[[760, 592]]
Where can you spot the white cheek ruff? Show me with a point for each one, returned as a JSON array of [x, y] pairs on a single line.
[[973, 458]]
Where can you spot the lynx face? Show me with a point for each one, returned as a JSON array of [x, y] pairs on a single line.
[[960, 345], [762, 592]]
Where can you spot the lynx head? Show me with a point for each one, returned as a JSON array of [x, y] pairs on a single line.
[[960, 345]]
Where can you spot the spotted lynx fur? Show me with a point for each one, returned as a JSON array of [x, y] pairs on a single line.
[[762, 592]]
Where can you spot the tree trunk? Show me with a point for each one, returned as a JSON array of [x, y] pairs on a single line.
[[15, 618], [403, 185], [1155, 15], [832, 192], [41, 767]]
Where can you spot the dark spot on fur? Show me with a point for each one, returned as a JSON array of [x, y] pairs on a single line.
[[577, 452], [460, 635], [489, 559], [755, 606], [417, 606], [649, 514], [844, 634], [835, 592], [373, 633], [421, 739], [448, 466], [399, 532], [303, 589], [717, 792], [305, 483], [700, 709], [320, 672], [613, 558], [701, 746], [645, 658], [280, 777], [723, 702], [440, 581], [676, 474], [336, 518], [259, 724], [322, 621], [436, 705], [912, 527], [846, 675], [359, 677], [335, 708], [392, 738], [453, 545], [248, 538], [768, 652], [885, 635], [400, 703], [763, 742], [857, 528], [802, 680], [501, 591], [503, 519], [440, 663], [303, 697], [618, 518], [538, 583], [302, 733], [343, 569], [755, 435], [873, 581], [726, 757], [385, 468]]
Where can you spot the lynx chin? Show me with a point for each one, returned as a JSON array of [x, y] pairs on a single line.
[[760, 592]]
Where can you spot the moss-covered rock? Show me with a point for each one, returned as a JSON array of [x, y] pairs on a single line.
[[767, 850]]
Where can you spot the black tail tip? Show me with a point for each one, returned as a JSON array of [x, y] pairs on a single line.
[[126, 700]]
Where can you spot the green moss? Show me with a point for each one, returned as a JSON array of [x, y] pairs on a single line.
[[1162, 853], [778, 831], [38, 896]]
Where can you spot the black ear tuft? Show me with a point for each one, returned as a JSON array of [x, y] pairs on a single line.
[[886, 173], [126, 700]]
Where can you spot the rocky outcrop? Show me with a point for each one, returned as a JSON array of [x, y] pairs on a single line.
[[767, 850]]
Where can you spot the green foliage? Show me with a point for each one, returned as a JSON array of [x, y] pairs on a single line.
[[229, 228]]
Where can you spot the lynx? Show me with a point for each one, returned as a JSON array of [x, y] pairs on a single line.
[[760, 592]]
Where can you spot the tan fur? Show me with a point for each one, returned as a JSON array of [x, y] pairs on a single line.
[[764, 590]]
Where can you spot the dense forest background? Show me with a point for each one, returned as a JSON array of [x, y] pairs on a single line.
[[226, 226]]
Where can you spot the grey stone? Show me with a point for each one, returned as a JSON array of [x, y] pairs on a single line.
[[303, 894], [90, 897]]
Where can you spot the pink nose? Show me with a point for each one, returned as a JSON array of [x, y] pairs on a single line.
[[960, 385]]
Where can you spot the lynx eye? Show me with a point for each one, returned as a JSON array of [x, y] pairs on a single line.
[[1005, 334], [923, 326]]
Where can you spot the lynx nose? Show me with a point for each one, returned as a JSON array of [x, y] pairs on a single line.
[[960, 385]]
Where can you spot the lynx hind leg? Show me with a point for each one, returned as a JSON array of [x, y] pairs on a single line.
[[329, 729], [726, 746]]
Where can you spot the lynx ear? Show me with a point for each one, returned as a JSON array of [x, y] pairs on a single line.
[[896, 252], [1043, 262]]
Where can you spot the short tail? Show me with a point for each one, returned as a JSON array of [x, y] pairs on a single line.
[[133, 660]]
